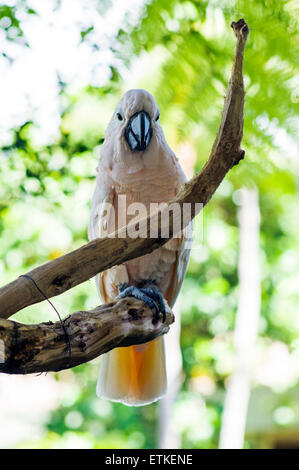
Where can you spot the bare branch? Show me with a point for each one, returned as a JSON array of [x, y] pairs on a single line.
[[44, 347], [80, 265]]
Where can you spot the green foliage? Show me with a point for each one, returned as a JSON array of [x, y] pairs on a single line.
[[200, 48], [45, 192]]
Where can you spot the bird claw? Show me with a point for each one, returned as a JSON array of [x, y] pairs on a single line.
[[155, 294], [151, 295]]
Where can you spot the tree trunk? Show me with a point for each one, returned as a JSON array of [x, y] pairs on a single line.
[[246, 330], [168, 436]]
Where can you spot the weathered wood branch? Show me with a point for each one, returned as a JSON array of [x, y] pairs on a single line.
[[55, 277], [44, 347]]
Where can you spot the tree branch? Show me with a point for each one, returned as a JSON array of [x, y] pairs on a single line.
[[44, 347], [78, 266], [32, 348]]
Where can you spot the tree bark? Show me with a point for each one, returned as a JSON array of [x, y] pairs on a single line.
[[45, 347]]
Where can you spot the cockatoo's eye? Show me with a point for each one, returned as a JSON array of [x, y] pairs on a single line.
[[157, 118], [119, 117]]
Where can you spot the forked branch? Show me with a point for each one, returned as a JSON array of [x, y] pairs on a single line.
[[63, 273]]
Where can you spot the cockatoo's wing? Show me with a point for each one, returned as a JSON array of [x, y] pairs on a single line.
[[101, 211], [121, 376], [181, 265], [101, 221]]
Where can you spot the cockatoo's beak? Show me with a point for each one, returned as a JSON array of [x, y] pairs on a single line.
[[139, 131]]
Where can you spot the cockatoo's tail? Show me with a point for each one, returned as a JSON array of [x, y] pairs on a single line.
[[134, 375]]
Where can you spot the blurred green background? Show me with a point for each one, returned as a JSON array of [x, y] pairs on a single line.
[[63, 67]]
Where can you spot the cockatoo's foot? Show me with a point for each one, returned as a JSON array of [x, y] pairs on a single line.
[[152, 290], [149, 293]]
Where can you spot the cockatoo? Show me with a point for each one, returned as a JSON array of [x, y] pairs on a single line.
[[137, 162]]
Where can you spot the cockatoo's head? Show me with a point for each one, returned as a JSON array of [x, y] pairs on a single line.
[[134, 136]]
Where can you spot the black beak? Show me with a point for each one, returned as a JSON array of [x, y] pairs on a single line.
[[139, 131]]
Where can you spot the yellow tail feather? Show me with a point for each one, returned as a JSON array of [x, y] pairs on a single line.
[[135, 375]]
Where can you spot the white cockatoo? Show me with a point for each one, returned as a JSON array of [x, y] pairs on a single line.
[[137, 162]]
